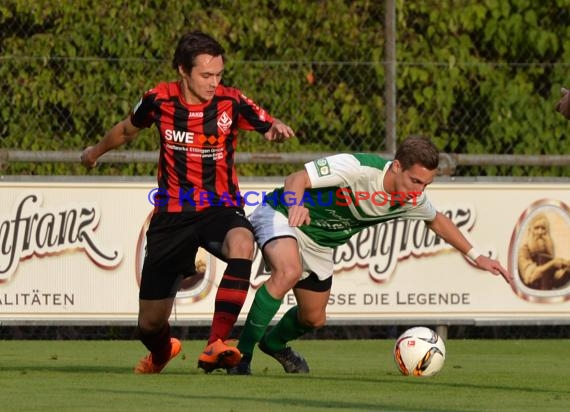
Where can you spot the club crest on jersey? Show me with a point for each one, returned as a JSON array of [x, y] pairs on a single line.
[[224, 122], [322, 166]]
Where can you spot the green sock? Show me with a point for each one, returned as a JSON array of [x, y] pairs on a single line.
[[287, 329], [262, 310]]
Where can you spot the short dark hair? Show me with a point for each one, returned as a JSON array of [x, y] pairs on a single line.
[[417, 150], [191, 45]]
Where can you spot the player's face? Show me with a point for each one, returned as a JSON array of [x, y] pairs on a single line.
[[205, 76], [413, 180]]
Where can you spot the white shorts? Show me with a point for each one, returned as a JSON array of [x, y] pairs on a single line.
[[269, 224]]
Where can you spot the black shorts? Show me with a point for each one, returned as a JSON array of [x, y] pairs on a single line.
[[172, 241], [313, 283]]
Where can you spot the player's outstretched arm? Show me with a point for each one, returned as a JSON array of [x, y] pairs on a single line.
[[447, 230], [121, 133]]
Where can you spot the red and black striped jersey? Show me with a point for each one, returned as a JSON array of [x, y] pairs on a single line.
[[196, 166]]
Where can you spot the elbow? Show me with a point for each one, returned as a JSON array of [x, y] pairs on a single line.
[[295, 178]]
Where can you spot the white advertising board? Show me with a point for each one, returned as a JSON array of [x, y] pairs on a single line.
[[72, 253]]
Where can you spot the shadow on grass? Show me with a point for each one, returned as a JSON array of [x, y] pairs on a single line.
[[390, 380], [413, 381], [284, 402]]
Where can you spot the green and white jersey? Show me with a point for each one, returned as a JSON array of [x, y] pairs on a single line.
[[347, 195]]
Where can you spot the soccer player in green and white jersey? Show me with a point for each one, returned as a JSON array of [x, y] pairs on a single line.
[[322, 207]]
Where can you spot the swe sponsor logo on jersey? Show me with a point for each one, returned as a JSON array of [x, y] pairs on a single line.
[[179, 136]]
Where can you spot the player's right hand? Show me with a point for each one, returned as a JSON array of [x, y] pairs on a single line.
[[87, 157], [493, 266]]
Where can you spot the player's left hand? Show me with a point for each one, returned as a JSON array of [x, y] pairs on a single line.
[[299, 215], [493, 266], [87, 157], [279, 132]]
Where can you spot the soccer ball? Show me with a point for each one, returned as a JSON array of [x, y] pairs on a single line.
[[419, 351]]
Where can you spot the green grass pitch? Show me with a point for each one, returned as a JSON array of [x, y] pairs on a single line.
[[346, 375]]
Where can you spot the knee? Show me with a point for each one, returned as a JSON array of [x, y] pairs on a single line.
[[150, 323], [313, 320], [239, 245], [149, 326], [283, 280], [243, 250]]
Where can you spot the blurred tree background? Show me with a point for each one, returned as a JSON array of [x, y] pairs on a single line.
[[477, 76]]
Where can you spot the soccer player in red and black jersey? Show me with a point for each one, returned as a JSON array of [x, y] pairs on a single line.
[[198, 201]]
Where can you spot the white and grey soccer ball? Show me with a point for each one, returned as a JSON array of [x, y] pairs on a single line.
[[419, 351]]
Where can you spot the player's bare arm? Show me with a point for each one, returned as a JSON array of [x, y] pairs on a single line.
[[123, 132], [447, 230], [279, 132], [296, 183]]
